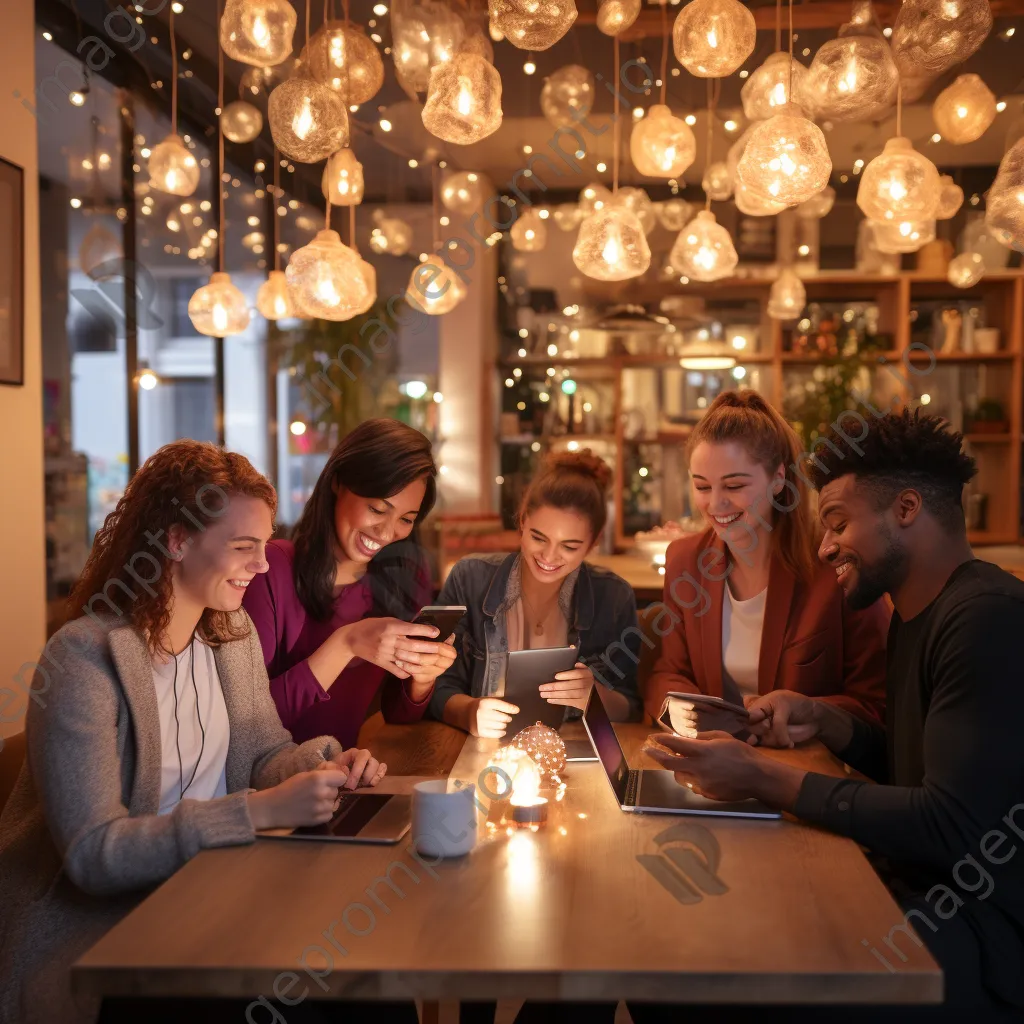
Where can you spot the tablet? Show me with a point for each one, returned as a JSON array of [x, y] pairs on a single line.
[[524, 673]]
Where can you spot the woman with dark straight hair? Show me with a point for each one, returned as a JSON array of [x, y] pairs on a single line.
[[334, 612]]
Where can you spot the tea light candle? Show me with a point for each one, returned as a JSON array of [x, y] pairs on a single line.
[[530, 812]]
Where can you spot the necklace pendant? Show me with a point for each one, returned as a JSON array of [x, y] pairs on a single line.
[[540, 629]]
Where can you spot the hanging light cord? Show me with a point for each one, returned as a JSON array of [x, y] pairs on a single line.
[[352, 229], [899, 106], [220, 144], [615, 119], [664, 51], [174, 77], [273, 206], [433, 207], [714, 84], [778, 25], [789, 91]]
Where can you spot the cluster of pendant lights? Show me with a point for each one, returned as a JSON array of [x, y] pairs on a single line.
[[780, 161]]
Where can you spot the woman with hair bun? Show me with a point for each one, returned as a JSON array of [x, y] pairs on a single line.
[[544, 595]]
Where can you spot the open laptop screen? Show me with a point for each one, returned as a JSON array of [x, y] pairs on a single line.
[[606, 743]]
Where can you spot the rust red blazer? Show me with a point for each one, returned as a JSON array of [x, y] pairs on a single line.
[[811, 642]]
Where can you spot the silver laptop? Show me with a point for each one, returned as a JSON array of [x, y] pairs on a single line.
[[654, 791], [361, 818]]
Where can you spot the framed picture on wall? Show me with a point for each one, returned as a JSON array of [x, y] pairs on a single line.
[[12, 283]]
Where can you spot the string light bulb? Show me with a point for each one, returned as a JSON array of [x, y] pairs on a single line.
[[931, 36], [273, 301], [593, 198], [342, 182], [673, 214], [529, 233], [704, 251], [615, 16], [611, 245], [434, 287], [963, 111], [390, 235], [639, 202], [258, 32], [899, 184], [532, 24], [324, 278], [463, 102], [819, 205], [172, 167], [340, 56], [766, 90], [786, 158], [951, 198], [662, 145], [712, 38], [464, 192], [241, 121], [218, 309], [903, 235], [965, 270], [853, 77], [788, 296], [1004, 204], [423, 34], [567, 95], [752, 204], [567, 216], [308, 120], [717, 181]]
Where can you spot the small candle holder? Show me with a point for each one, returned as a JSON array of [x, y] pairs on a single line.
[[531, 813]]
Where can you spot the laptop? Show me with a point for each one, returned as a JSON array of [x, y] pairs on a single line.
[[653, 791], [361, 818]]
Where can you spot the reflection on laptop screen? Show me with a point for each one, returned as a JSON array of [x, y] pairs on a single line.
[[607, 743]]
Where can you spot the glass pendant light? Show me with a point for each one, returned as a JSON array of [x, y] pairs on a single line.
[[593, 198], [100, 255], [324, 278], [257, 32], [273, 301], [615, 16], [342, 181], [463, 102], [529, 233], [951, 198], [931, 36], [308, 120], [340, 56], [913, 87], [1004, 204], [704, 250], [965, 270], [390, 235], [673, 214], [256, 83], [854, 77], [818, 206], [786, 159], [712, 38], [766, 91], [567, 216], [532, 24], [423, 33], [964, 110], [717, 181], [611, 245], [172, 167], [639, 202], [904, 235], [662, 145], [899, 185], [242, 122], [788, 296], [568, 95], [464, 192], [754, 205], [434, 287]]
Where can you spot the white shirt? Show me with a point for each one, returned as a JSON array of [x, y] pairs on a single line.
[[741, 640], [206, 758]]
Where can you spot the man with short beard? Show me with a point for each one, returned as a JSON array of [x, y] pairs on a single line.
[[948, 814]]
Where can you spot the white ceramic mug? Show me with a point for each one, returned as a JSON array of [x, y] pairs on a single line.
[[443, 823], [986, 339]]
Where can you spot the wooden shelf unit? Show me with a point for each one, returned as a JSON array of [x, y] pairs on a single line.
[[1001, 293]]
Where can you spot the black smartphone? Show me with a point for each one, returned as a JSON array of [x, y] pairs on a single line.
[[444, 616]]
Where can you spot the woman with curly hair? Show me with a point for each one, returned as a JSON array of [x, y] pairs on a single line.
[[155, 737]]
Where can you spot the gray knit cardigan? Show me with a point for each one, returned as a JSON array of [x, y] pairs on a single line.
[[81, 843]]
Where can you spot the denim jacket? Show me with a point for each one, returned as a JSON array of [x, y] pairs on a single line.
[[600, 611]]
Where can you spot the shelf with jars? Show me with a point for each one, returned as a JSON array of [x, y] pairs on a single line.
[[638, 387]]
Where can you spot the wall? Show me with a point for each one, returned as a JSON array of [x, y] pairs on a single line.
[[22, 568]]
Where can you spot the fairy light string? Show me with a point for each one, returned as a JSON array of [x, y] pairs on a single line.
[[615, 120], [664, 51]]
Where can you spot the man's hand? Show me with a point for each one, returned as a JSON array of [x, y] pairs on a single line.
[[782, 718]]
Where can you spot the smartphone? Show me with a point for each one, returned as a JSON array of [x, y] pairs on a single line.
[[703, 700], [445, 616]]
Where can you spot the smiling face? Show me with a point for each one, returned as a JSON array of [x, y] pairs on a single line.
[[554, 542], [217, 563], [861, 541], [362, 526], [729, 487]]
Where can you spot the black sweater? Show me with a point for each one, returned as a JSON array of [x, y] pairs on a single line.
[[952, 760]]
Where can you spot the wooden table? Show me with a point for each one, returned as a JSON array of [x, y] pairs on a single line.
[[777, 912]]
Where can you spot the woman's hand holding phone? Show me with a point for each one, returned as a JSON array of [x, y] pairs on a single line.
[[392, 644]]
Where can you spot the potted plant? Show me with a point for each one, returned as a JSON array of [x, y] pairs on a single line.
[[988, 417]]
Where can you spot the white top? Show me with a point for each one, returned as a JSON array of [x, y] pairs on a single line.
[[186, 735], [741, 640]]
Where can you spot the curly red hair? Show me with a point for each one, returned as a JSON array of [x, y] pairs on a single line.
[[174, 487]]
